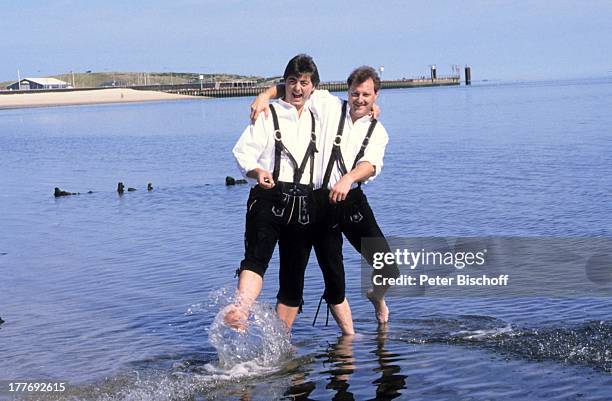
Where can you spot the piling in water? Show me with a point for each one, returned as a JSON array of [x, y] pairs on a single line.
[[58, 192], [232, 181]]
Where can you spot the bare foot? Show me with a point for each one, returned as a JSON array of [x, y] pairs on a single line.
[[380, 308], [236, 318]]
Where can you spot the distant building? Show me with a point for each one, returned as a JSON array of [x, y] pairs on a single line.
[[242, 83], [115, 83], [39, 83]]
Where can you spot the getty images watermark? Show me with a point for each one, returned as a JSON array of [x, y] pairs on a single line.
[[489, 266]]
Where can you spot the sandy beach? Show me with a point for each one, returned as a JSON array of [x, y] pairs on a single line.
[[113, 95]]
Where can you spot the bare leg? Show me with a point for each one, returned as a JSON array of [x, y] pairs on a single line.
[[378, 291], [249, 287], [344, 318], [287, 314], [377, 297], [368, 228]]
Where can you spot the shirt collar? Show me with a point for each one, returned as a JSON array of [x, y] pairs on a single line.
[[290, 107], [285, 105], [363, 120]]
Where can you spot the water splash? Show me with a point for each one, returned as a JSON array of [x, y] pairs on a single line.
[[265, 342]]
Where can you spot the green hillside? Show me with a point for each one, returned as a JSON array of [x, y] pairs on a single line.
[[98, 79]]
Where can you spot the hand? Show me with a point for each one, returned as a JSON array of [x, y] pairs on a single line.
[[339, 192], [261, 103], [264, 179], [375, 111], [236, 318]]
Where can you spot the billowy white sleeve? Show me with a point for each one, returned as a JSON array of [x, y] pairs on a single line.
[[322, 101], [375, 151], [250, 147]]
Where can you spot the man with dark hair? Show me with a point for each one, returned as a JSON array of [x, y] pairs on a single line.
[[348, 135], [277, 156], [302, 64]]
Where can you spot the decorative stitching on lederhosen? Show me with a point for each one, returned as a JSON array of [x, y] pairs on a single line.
[[293, 193]]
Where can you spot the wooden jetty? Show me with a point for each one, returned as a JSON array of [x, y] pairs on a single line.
[[239, 88]]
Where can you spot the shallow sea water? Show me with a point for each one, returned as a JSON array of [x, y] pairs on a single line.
[[115, 295]]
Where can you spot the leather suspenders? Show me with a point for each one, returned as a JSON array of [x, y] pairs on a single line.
[[364, 145], [279, 148], [336, 153]]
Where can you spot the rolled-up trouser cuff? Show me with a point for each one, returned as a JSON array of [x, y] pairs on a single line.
[[288, 300], [253, 266], [389, 271], [335, 298]]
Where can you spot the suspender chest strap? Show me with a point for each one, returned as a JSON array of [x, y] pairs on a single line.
[[364, 145], [335, 157], [336, 154], [365, 142], [279, 148], [309, 155]]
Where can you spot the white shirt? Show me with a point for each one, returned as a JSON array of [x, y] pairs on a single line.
[[328, 109], [255, 148]]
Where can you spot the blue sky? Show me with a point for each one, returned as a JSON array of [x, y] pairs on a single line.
[[505, 40]]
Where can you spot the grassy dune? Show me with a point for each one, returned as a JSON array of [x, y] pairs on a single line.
[[97, 79]]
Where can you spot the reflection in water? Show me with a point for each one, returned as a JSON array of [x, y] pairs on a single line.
[[301, 387], [340, 357], [342, 361], [390, 383]]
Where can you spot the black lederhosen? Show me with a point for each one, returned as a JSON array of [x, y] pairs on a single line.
[[327, 243], [282, 214], [270, 219], [357, 222], [353, 217]]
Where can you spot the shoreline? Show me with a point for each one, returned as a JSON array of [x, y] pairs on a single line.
[[98, 96]]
